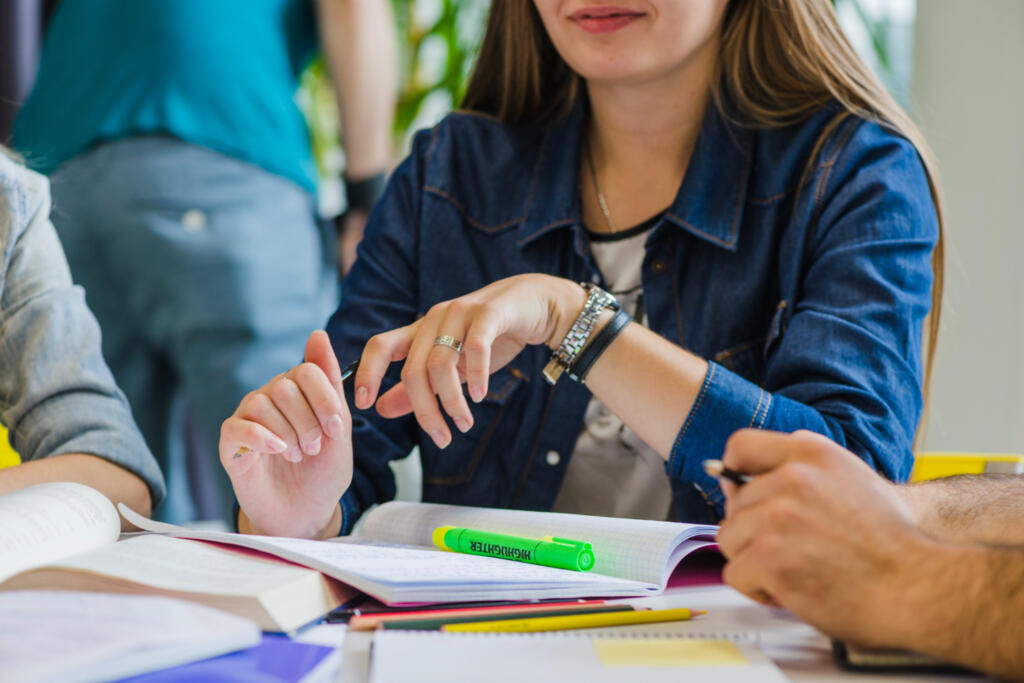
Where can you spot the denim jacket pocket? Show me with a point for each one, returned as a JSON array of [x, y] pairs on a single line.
[[746, 359], [749, 359], [458, 463]]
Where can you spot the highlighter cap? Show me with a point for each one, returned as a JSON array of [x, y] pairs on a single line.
[[566, 554], [438, 537]]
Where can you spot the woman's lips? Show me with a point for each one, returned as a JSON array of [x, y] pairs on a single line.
[[604, 19]]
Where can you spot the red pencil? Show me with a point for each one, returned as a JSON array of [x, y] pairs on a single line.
[[368, 622]]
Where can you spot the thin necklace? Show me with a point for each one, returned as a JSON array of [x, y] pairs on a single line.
[[597, 190]]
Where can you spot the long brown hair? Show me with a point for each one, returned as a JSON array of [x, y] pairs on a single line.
[[779, 62]]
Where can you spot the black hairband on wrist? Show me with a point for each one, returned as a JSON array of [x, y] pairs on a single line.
[[363, 194], [597, 346]]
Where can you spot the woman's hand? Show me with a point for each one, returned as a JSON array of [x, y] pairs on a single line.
[[493, 323], [288, 448]]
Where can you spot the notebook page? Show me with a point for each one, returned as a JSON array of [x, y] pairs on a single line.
[[398, 573], [48, 521], [438, 657], [629, 548], [179, 565], [69, 636]]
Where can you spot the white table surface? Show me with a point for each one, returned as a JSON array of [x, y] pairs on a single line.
[[801, 652]]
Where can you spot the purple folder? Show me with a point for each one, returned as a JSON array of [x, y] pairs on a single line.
[[276, 659]]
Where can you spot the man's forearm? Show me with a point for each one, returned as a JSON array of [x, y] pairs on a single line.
[[360, 48], [971, 508], [113, 481], [968, 600]]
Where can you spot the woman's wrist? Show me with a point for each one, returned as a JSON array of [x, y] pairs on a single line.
[[566, 303], [320, 530], [333, 526]]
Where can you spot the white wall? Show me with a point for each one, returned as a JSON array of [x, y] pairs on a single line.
[[968, 97]]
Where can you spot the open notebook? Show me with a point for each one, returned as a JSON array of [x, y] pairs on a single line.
[[566, 656], [394, 561], [63, 535]]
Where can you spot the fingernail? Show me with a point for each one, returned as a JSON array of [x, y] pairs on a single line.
[[334, 426], [362, 395], [463, 424], [275, 445], [293, 454], [476, 392], [438, 438], [313, 447]]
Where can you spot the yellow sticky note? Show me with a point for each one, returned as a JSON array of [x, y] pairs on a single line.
[[668, 652]]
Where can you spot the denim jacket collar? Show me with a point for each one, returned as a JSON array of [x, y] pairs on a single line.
[[709, 204]]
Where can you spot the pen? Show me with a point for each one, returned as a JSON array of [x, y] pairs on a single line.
[[549, 551], [576, 621], [343, 614], [715, 468], [346, 374]]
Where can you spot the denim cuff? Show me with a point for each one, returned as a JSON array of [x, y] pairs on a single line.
[[350, 511], [726, 403]]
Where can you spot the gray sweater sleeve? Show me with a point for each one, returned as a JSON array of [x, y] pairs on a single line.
[[56, 393]]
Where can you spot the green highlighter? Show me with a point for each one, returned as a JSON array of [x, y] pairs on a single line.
[[548, 551]]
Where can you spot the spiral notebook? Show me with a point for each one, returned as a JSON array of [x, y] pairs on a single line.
[[567, 657], [394, 560]]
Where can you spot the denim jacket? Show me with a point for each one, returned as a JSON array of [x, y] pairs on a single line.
[[806, 292], [57, 395]]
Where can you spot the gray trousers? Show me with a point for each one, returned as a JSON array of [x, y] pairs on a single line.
[[207, 275]]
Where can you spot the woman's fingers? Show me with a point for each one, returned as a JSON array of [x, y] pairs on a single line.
[[394, 402], [293, 413], [476, 351], [442, 361], [380, 352], [292, 403], [488, 326], [243, 440], [322, 398], [416, 379], [319, 352], [257, 408]]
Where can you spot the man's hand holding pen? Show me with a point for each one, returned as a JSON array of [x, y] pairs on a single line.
[[814, 528]]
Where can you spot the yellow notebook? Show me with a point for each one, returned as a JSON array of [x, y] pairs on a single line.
[[937, 465]]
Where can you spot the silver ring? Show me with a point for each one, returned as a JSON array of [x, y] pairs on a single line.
[[449, 341]]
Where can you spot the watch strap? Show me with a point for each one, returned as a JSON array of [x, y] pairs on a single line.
[[363, 194], [578, 371]]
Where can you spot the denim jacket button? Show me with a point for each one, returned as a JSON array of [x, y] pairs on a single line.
[[658, 266], [553, 458]]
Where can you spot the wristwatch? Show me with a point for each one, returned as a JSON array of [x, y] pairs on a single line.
[[361, 195], [563, 358]]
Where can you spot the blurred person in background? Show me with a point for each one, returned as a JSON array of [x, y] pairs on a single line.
[[184, 191]]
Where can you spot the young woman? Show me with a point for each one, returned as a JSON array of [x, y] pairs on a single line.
[[66, 417], [729, 170]]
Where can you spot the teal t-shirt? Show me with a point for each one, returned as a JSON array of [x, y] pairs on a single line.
[[216, 73]]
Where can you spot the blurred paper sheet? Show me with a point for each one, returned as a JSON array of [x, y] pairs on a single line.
[[69, 636]]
